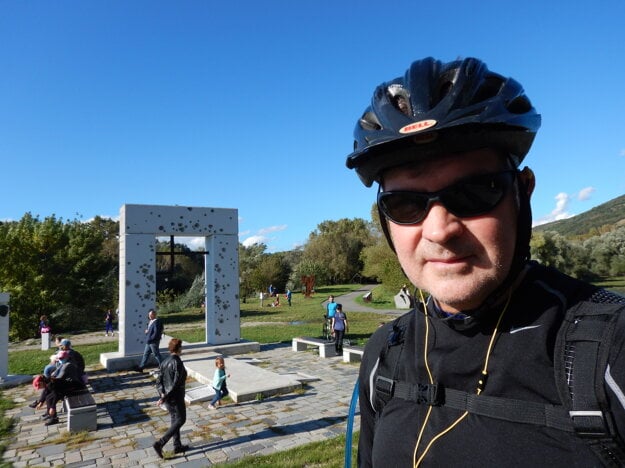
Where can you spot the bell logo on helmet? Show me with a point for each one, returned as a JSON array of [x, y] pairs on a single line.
[[418, 126]]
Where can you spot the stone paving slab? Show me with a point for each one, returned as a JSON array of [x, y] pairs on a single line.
[[129, 422]]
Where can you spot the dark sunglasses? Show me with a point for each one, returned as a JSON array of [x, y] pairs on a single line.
[[473, 196]]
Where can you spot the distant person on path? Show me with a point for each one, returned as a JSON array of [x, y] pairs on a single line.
[[108, 323], [171, 387], [330, 307], [289, 296], [219, 382], [44, 325], [339, 327], [153, 333]]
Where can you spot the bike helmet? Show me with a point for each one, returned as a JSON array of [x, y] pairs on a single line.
[[442, 108]]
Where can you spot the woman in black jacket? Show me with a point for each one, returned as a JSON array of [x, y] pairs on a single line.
[[170, 385]]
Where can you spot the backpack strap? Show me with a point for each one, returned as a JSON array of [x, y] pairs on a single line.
[[388, 363], [582, 351]]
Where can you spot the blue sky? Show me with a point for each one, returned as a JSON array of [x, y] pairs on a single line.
[[251, 105]]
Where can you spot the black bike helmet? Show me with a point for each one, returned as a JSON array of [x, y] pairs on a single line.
[[442, 108]]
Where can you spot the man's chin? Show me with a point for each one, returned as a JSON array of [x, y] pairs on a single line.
[[456, 295]]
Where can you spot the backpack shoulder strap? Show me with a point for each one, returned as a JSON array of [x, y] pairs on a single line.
[[582, 351], [385, 378]]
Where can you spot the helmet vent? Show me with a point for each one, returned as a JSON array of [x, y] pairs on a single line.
[[519, 105], [400, 99], [489, 89], [369, 121]]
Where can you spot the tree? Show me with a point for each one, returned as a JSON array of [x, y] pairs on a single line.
[[271, 269], [56, 269], [337, 245], [249, 259]]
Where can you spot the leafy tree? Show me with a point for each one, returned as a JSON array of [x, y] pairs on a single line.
[[381, 263], [379, 260], [249, 259], [606, 253], [271, 269], [337, 245], [554, 250], [308, 267], [55, 269]]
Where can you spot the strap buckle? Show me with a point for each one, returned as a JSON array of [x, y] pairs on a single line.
[[385, 385], [589, 424]]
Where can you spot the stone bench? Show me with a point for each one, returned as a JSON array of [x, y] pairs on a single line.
[[353, 353], [326, 348], [81, 411]]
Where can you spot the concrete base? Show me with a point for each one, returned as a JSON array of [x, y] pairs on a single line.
[[15, 380], [247, 382], [83, 418], [116, 361]]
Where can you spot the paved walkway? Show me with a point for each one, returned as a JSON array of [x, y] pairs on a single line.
[[129, 423]]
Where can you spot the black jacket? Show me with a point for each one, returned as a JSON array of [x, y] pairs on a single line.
[[520, 367], [172, 378], [155, 331]]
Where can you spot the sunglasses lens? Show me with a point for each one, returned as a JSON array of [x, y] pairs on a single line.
[[477, 195], [403, 207], [471, 197]]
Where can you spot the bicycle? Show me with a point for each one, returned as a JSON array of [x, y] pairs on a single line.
[[326, 329]]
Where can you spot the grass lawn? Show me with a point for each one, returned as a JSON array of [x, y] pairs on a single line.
[[280, 324]]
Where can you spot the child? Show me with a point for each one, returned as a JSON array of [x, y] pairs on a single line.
[[219, 382]]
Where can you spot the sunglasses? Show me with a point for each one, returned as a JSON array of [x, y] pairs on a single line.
[[473, 196]]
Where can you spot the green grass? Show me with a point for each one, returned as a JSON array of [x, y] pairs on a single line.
[[33, 361], [281, 324], [616, 284], [325, 454], [6, 425]]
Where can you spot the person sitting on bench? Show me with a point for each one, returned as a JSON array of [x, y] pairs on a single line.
[[64, 381]]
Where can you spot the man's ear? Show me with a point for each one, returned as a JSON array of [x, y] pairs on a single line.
[[529, 180]]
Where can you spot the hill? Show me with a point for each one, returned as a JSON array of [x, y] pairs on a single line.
[[602, 218]]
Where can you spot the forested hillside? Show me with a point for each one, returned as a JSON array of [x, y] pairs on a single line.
[[596, 221]]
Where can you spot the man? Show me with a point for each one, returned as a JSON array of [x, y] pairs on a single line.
[[171, 388], [76, 358], [153, 332], [453, 382]]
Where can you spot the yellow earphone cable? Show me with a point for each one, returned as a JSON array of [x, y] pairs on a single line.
[[480, 386]]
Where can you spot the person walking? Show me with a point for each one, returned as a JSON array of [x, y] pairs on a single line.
[[219, 382], [153, 333], [477, 358], [289, 296], [108, 323], [170, 384], [339, 328]]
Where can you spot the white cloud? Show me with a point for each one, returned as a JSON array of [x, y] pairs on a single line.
[[269, 229], [559, 212], [261, 237], [254, 240], [585, 193]]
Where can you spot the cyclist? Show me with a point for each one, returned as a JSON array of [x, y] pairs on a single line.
[[327, 318], [445, 143]]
